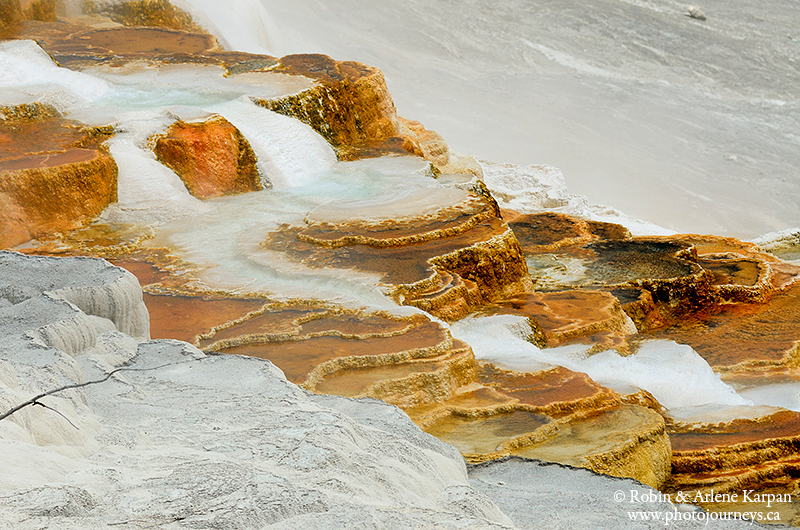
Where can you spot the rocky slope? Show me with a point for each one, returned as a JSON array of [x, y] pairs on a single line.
[[294, 257], [179, 439], [163, 435]]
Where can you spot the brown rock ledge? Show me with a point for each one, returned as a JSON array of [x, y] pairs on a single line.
[[448, 262], [211, 157], [54, 174]]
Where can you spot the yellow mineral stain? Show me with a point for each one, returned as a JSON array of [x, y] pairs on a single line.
[[355, 381], [476, 435], [298, 357], [185, 317]]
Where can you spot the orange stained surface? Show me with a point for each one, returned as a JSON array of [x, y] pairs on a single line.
[[447, 218], [744, 332], [185, 317], [782, 424], [485, 434], [540, 389], [399, 265], [140, 40], [355, 381], [147, 273], [279, 321], [298, 357], [354, 325]]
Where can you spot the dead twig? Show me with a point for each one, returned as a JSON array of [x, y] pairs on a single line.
[[35, 400]]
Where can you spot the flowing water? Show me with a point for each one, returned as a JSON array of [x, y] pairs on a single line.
[[692, 125], [223, 236]]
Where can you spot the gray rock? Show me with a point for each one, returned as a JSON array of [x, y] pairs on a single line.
[[694, 12], [537, 494], [179, 439]]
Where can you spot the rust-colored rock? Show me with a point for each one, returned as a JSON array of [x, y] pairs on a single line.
[[557, 392], [414, 363], [753, 335], [593, 317], [44, 10], [78, 46], [184, 317], [350, 106], [449, 262], [157, 13], [10, 13], [314, 340], [432, 147], [545, 232], [629, 441], [660, 281], [47, 183], [211, 157], [756, 454], [14, 11]]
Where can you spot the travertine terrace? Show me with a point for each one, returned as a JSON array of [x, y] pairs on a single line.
[[433, 248]]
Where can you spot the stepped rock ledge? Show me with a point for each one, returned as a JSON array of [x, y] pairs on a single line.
[[532, 328], [179, 439]]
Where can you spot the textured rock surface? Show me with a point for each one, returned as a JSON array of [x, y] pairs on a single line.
[[350, 106], [160, 13], [448, 261], [565, 497], [181, 440], [15, 11], [432, 147], [93, 286], [630, 441], [53, 174], [211, 157], [444, 250]]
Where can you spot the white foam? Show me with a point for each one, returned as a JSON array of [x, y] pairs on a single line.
[[542, 188], [289, 152], [26, 69], [675, 374], [242, 25]]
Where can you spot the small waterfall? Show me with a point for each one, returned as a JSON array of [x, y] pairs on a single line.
[[242, 25], [289, 152], [674, 373], [28, 73]]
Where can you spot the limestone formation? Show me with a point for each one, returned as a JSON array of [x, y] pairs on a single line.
[[350, 106], [567, 316], [159, 13], [695, 12], [10, 13], [758, 454], [448, 260], [14, 11], [167, 431], [54, 174], [75, 45], [101, 291], [513, 483], [211, 157], [546, 232], [440, 244], [407, 361], [630, 441], [432, 147], [659, 280]]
